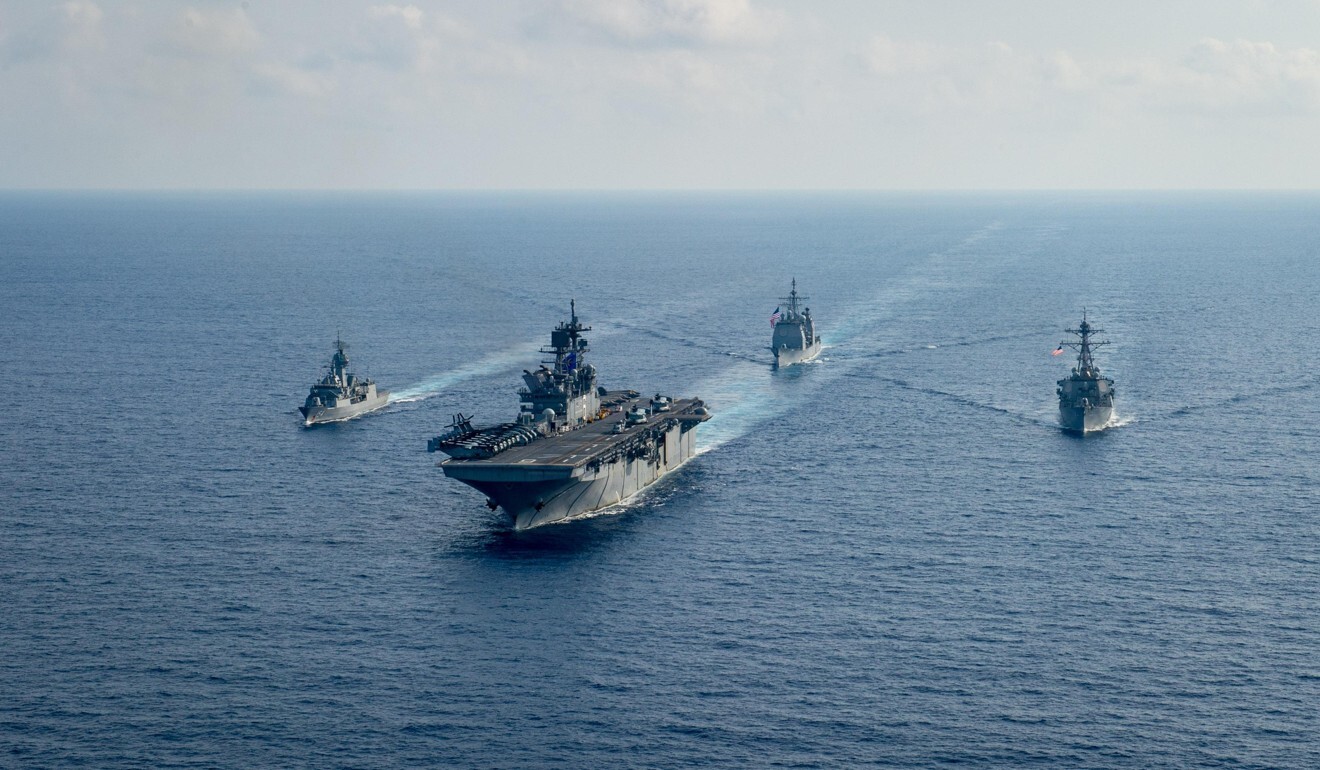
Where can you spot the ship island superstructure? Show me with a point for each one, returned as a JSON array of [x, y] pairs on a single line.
[[340, 394], [1086, 397], [575, 447], [795, 339]]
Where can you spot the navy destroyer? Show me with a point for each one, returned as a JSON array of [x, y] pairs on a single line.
[[341, 394], [795, 339], [1086, 397], [575, 447]]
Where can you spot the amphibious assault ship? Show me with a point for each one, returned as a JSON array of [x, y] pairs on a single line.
[[795, 339], [575, 447], [340, 394], [1086, 398]]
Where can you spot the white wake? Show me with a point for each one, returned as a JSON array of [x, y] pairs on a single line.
[[483, 367]]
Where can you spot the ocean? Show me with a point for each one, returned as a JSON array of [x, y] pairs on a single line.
[[889, 557]]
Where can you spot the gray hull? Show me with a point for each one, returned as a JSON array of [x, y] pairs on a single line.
[[321, 414], [533, 495], [1089, 419], [786, 356]]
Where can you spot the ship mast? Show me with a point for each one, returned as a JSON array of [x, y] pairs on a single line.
[[792, 302], [339, 364], [566, 344], [1085, 364]]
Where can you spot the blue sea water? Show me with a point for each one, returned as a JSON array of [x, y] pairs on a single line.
[[890, 557]]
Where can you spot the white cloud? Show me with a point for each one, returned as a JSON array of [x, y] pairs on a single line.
[[917, 76], [286, 78], [889, 58], [433, 45], [214, 32], [681, 72], [680, 22], [643, 92], [83, 25], [411, 15], [83, 13], [1245, 74], [1242, 76]]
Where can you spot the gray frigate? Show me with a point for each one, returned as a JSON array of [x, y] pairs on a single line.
[[340, 394], [575, 447], [1086, 397], [795, 339]]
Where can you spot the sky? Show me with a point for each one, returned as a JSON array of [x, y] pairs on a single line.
[[660, 94]]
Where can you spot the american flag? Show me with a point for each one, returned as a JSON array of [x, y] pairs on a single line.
[[1057, 351], [774, 317]]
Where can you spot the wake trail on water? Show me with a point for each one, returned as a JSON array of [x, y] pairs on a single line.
[[962, 400], [494, 363], [940, 272], [743, 396], [1240, 398], [704, 346], [924, 347]]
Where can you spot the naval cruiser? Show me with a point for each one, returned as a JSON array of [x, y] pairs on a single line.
[[341, 394], [795, 339], [1086, 398], [575, 447]]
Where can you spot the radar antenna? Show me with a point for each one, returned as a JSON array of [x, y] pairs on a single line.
[[792, 300], [567, 344], [1085, 363]]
